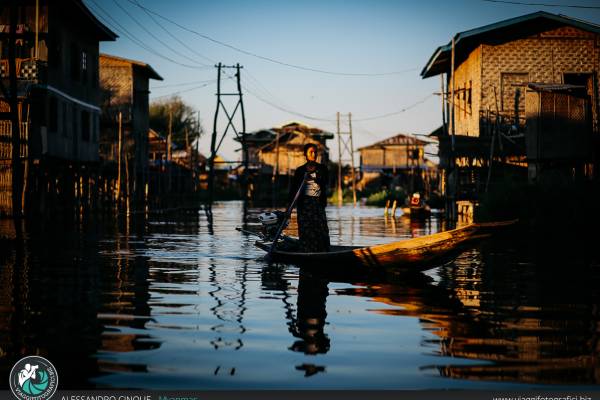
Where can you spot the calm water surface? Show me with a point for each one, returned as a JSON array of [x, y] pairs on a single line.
[[173, 302]]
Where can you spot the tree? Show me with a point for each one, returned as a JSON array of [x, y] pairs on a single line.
[[184, 117]]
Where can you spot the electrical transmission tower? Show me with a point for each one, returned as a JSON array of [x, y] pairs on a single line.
[[240, 134], [345, 149]]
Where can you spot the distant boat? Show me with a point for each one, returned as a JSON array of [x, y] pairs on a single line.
[[417, 253], [418, 208]]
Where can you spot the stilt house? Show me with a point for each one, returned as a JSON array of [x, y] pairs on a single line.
[[125, 110], [56, 58], [486, 75]]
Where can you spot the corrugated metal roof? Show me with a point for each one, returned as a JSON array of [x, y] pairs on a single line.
[[395, 141], [439, 62]]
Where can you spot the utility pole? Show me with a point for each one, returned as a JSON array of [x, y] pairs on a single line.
[[451, 200], [240, 134], [17, 169], [169, 139], [275, 171], [197, 156], [120, 156], [345, 146]]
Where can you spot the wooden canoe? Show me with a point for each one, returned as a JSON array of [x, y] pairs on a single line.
[[416, 253]]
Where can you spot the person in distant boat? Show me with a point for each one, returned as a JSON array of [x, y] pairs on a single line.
[[415, 200], [311, 203]]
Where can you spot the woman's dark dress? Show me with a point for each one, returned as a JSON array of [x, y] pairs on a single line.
[[312, 220]]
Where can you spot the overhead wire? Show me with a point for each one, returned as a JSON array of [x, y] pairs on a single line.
[[269, 59], [324, 119], [258, 97], [175, 37], [159, 40], [413, 105], [184, 91], [542, 4], [182, 84], [123, 31]]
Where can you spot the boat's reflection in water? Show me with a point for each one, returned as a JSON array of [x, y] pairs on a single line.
[[516, 321]]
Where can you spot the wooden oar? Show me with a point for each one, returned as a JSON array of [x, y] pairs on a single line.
[[287, 214]]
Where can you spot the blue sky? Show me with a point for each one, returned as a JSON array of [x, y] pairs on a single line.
[[351, 36]]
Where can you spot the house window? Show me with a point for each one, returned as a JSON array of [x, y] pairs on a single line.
[[414, 154], [85, 125], [469, 104], [53, 117], [84, 66]]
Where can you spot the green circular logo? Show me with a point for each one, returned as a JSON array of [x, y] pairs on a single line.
[[33, 378]]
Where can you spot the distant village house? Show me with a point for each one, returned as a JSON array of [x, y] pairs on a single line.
[[280, 150], [397, 161], [274, 154], [125, 88]]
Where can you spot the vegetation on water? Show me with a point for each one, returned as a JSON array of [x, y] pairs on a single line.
[[380, 198]]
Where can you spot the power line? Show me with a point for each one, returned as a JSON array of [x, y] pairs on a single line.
[[542, 4], [175, 37], [285, 110], [423, 100], [269, 59], [182, 84], [149, 32], [368, 132], [123, 31], [409, 107], [185, 90]]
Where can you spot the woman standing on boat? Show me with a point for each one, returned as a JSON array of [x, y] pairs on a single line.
[[311, 203]]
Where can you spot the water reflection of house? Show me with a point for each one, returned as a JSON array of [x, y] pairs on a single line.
[[58, 94], [125, 88], [400, 160], [486, 92], [509, 335]]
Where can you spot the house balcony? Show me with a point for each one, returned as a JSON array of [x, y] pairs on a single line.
[[28, 69], [6, 140]]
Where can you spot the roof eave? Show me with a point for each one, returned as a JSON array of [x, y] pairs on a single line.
[[436, 65], [104, 33], [437, 62]]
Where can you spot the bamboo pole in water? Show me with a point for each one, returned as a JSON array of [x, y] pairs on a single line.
[[118, 188]]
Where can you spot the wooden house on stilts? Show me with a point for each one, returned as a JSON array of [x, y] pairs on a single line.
[[124, 124], [500, 78], [55, 49]]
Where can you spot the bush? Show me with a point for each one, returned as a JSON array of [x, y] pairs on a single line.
[[346, 196], [381, 197]]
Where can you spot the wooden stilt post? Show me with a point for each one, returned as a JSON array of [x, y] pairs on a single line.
[[119, 157]]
